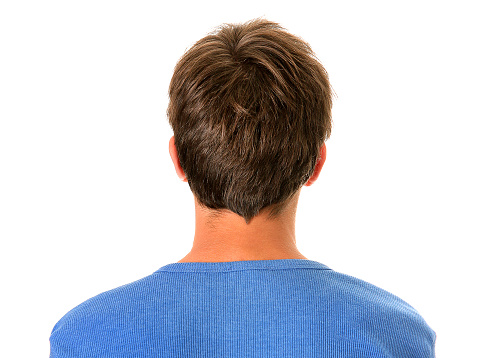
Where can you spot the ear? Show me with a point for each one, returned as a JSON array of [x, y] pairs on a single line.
[[318, 165], [174, 155]]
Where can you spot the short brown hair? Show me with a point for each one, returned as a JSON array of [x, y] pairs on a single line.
[[250, 108]]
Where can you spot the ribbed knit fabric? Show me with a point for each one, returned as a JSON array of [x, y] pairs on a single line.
[[266, 308]]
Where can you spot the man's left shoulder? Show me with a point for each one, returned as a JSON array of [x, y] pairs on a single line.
[[90, 328]]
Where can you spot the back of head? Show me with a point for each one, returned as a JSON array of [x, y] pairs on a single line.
[[250, 108]]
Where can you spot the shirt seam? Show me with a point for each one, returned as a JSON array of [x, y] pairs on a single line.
[[250, 269]]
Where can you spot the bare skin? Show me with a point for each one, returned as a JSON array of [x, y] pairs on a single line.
[[228, 238]]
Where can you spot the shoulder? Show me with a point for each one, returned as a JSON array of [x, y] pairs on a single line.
[[107, 303], [371, 314], [96, 325]]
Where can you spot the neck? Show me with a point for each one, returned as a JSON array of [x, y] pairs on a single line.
[[226, 237]]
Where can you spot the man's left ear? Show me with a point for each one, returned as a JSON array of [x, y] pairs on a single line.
[[174, 155], [318, 165]]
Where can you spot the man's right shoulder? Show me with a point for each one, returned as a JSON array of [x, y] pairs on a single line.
[[379, 316]]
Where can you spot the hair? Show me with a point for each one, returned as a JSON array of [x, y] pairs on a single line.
[[250, 108]]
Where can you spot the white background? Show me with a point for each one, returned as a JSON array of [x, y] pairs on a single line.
[[89, 199]]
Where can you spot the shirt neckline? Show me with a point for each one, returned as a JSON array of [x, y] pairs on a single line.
[[227, 266]]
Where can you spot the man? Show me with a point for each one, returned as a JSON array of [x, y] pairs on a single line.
[[250, 108]]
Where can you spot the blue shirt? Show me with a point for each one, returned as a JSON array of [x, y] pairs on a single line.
[[264, 308]]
